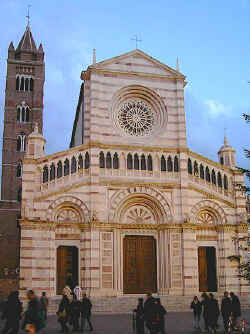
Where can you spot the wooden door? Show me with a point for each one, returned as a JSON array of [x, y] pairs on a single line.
[[202, 264], [140, 273], [67, 266]]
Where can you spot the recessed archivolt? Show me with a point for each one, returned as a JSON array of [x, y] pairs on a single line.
[[208, 212], [140, 202], [68, 206]]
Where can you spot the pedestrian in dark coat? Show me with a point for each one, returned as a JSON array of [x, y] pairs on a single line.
[[139, 318], [33, 321], [86, 313], [12, 314], [149, 302], [204, 303], [75, 311], [163, 312], [197, 308], [64, 313], [236, 308], [213, 312], [226, 309]]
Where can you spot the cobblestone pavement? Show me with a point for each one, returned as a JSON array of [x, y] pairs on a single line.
[[176, 323]]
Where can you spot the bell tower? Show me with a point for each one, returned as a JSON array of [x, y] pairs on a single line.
[[23, 109]]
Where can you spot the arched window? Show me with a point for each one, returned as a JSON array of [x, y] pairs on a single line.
[[219, 178], [31, 84], [225, 181], [163, 164], [190, 168], [222, 160], [101, 160], [129, 161], [18, 117], [143, 162], [73, 165], [19, 194], [116, 161], [21, 142], [26, 88], [66, 167], [213, 177], [22, 83], [136, 162], [59, 169], [52, 172], [45, 174], [86, 160], [18, 144], [176, 164], [19, 169], [23, 113], [208, 175], [17, 83], [170, 164], [196, 169], [80, 162], [201, 171], [108, 160], [150, 163], [27, 114]]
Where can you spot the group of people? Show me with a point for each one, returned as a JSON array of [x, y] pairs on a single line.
[[74, 310], [209, 308], [33, 319], [151, 314]]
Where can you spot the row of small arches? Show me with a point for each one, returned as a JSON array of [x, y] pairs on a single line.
[[137, 162], [67, 167], [195, 169], [24, 83]]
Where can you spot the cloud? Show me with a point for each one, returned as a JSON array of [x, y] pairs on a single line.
[[216, 109]]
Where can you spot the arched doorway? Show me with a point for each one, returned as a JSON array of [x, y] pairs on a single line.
[[139, 264], [67, 267]]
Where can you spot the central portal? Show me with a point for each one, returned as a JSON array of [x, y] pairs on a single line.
[[139, 269]]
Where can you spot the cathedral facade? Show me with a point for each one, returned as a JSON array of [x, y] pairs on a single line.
[[129, 208]]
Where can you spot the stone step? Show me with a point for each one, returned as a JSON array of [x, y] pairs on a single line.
[[126, 304]]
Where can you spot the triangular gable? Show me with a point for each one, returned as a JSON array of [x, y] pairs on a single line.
[[137, 61]]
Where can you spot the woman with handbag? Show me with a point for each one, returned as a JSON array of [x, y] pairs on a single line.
[[63, 313]]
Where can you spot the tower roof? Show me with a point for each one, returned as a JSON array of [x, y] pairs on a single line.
[[226, 146], [27, 42]]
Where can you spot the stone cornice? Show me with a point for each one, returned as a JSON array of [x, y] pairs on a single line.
[[212, 196], [39, 224], [140, 184]]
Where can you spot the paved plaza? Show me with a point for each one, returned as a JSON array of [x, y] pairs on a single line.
[[176, 323]]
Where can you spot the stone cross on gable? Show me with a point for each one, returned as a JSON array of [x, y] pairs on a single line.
[[136, 39], [28, 15]]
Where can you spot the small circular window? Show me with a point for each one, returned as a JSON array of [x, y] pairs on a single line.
[[136, 118]]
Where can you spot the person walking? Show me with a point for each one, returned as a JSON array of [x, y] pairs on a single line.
[[213, 313], [197, 308], [139, 317], [163, 312], [86, 313], [226, 309], [44, 304], [75, 310], [148, 308], [236, 309], [78, 292], [154, 317], [64, 313], [33, 317], [204, 303], [12, 314]]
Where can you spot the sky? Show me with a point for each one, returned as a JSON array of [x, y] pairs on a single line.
[[210, 38]]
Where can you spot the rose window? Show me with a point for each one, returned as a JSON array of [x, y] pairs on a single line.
[[136, 118]]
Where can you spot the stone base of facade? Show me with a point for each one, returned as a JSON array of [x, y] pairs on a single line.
[[127, 303]]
